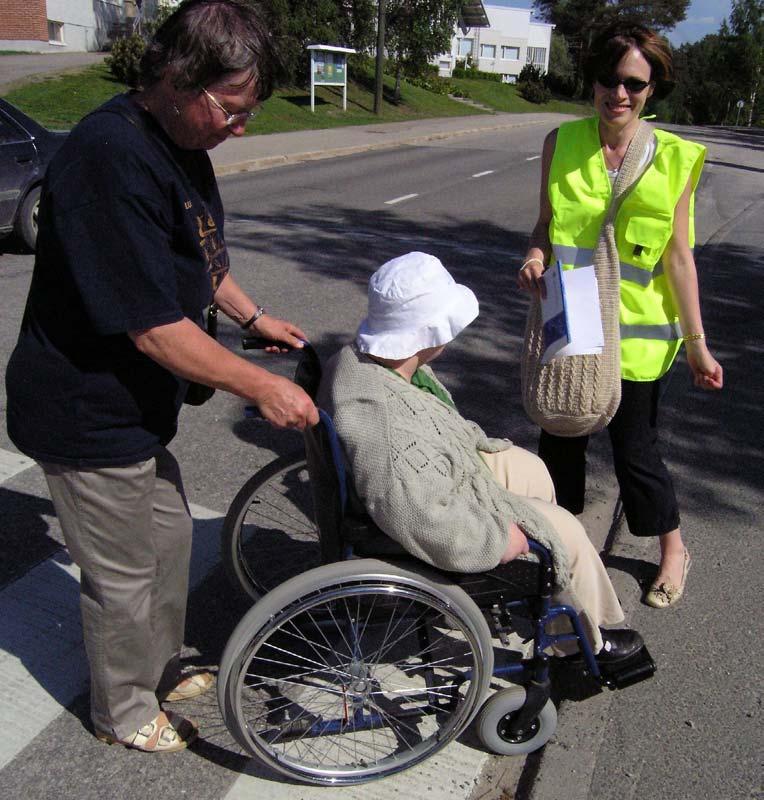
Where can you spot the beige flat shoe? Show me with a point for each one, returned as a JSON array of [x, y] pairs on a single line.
[[156, 737], [189, 687], [663, 595]]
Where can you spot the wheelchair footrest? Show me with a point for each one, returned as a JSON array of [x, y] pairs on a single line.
[[637, 668]]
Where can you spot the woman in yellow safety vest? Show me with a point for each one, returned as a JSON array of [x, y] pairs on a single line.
[[659, 302]]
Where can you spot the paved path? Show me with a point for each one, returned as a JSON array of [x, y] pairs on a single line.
[[15, 70]]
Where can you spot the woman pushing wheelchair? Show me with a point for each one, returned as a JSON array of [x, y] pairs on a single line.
[[431, 479]]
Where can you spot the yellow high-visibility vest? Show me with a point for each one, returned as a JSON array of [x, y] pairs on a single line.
[[580, 191]]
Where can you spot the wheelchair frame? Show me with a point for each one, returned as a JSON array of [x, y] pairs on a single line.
[[311, 642]]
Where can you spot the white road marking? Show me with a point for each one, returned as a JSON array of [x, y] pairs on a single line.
[[43, 667], [400, 199], [480, 174], [532, 158], [451, 773], [12, 463]]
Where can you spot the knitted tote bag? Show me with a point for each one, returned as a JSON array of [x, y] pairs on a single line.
[[577, 395]]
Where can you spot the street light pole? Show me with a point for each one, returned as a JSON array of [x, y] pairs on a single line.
[[380, 57]]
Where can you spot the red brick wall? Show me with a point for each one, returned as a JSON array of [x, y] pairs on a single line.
[[23, 19]]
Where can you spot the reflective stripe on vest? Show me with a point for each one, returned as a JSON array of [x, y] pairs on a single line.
[[664, 333], [584, 256]]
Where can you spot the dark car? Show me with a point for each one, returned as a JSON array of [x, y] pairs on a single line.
[[26, 148]]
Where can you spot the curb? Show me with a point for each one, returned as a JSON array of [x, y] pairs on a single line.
[[267, 162]]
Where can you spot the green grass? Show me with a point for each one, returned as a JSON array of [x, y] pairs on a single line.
[[289, 109], [505, 97], [59, 102]]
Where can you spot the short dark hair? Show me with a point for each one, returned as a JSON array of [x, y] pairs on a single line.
[[203, 41], [612, 44]]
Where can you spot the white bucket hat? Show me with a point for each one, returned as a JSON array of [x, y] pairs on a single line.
[[414, 303]]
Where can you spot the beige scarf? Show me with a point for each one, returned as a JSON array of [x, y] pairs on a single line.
[[578, 395]]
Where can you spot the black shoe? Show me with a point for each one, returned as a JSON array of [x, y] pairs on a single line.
[[618, 645]]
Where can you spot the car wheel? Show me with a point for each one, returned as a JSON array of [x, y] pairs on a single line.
[[26, 222]]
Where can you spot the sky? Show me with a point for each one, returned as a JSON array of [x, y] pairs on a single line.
[[703, 17]]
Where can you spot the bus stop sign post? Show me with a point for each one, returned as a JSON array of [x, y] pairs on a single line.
[[328, 67]]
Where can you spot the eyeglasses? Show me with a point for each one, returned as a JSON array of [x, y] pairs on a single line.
[[632, 85], [230, 119]]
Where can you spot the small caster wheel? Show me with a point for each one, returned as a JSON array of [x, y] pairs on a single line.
[[496, 714]]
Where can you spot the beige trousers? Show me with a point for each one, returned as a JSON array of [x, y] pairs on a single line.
[[590, 591], [129, 530]]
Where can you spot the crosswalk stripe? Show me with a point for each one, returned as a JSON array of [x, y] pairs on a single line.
[[450, 774], [43, 667], [12, 463]]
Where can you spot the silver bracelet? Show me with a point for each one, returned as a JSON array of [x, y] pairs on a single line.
[[256, 316]]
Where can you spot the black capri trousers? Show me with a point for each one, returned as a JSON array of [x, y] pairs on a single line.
[[647, 492]]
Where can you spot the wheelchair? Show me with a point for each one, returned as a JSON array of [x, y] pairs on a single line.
[[357, 660]]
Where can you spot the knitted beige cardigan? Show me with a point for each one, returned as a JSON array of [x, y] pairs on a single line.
[[416, 467]]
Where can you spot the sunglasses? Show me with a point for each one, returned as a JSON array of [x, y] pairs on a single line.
[[632, 85], [231, 119]]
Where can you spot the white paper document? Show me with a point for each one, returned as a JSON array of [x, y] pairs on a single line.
[[571, 313]]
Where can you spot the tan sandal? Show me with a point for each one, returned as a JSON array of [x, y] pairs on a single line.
[[664, 594], [189, 687], [157, 737]]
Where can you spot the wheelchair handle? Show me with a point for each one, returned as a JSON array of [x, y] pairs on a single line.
[[261, 343], [307, 374]]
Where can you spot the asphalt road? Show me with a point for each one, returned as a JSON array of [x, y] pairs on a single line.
[[304, 240]]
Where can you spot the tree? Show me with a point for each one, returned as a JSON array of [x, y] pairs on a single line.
[[747, 23], [561, 76], [299, 23], [417, 31], [581, 20]]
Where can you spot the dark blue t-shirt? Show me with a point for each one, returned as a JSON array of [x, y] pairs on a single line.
[[130, 238]]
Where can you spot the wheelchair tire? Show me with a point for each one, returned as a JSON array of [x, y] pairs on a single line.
[[496, 713], [268, 534], [354, 671]]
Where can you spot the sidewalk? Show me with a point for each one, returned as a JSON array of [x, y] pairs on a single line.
[[249, 153]]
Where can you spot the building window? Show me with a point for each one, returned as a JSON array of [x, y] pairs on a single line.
[[465, 47], [55, 31], [510, 53], [487, 51], [444, 65], [509, 78], [536, 56]]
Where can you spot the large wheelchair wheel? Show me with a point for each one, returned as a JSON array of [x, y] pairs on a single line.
[[268, 533], [496, 715], [354, 671]]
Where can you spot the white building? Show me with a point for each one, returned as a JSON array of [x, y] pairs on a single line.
[[512, 41], [72, 25]]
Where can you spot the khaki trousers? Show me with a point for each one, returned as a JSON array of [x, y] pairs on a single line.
[[129, 530], [590, 591]]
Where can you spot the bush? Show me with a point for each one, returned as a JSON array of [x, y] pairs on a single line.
[[530, 84], [124, 61], [462, 72], [534, 92], [436, 84]]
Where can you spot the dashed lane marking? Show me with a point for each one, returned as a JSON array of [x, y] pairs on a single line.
[[400, 199], [480, 174]]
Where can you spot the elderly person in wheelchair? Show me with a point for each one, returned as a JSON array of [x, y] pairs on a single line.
[[431, 479]]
